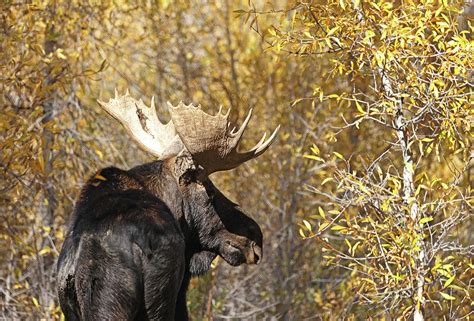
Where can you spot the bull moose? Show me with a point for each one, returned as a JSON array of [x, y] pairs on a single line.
[[137, 236]]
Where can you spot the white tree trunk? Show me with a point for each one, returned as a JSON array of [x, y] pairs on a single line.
[[409, 198]]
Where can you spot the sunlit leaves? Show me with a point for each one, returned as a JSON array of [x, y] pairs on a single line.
[[177, 50], [392, 59], [447, 296], [47, 140]]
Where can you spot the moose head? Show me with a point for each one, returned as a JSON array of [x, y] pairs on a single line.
[[192, 146]]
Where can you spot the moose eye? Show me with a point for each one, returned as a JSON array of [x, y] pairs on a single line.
[[211, 196]]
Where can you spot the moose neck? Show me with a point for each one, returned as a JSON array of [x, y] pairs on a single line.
[[158, 178]]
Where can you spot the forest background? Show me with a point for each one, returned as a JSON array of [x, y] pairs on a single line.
[[365, 200]]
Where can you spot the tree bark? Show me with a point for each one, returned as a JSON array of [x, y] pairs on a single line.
[[49, 200], [409, 197]]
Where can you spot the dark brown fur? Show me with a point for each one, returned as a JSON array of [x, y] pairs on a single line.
[[136, 238]]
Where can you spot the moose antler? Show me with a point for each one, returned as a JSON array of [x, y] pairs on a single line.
[[210, 140], [143, 125]]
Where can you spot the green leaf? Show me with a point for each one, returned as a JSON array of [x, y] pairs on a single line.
[[35, 302], [447, 296], [342, 4], [326, 180], [323, 226], [426, 219], [296, 101], [359, 108], [315, 149], [321, 212], [307, 224], [314, 157], [348, 244], [302, 233], [449, 281], [332, 31], [45, 250], [338, 155], [336, 227]]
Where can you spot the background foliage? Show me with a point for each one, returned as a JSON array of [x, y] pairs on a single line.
[[365, 200]]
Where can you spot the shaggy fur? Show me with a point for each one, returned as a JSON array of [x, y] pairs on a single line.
[[136, 237]]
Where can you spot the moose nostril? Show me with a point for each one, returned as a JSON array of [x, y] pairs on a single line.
[[257, 257], [257, 252]]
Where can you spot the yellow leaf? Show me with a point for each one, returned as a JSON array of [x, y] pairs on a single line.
[[326, 180], [302, 233], [418, 189], [348, 244], [308, 225], [369, 34], [359, 108], [215, 262], [45, 250], [447, 296], [323, 226], [321, 212], [426, 220], [35, 302], [315, 149], [100, 177], [60, 55], [342, 4], [314, 157], [338, 155], [100, 154], [449, 281], [41, 162], [369, 281], [296, 101], [332, 31], [355, 247], [336, 227]]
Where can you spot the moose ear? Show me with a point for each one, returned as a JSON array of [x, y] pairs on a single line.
[[186, 170]]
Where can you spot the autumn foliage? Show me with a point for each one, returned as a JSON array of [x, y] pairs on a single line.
[[365, 201]]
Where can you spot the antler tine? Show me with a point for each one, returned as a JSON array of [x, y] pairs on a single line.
[[238, 135], [261, 146], [258, 149], [152, 103], [260, 142]]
